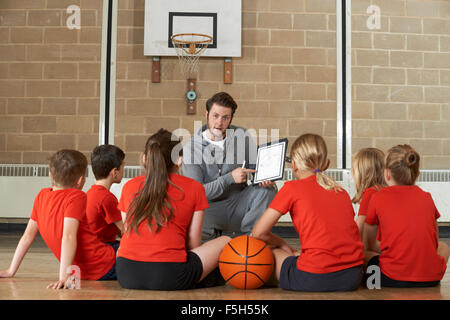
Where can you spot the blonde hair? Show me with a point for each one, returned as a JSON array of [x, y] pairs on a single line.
[[403, 162], [309, 152], [367, 170]]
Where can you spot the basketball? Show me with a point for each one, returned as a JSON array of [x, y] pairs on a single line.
[[246, 262]]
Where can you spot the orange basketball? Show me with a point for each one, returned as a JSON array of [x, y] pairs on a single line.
[[246, 262]]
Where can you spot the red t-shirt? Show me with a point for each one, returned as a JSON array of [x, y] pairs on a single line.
[[129, 190], [169, 244], [406, 216], [50, 208], [365, 200], [324, 220], [102, 213], [364, 204]]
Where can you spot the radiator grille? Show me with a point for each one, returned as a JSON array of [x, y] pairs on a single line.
[[336, 174], [132, 171], [24, 170], [434, 176], [36, 170]]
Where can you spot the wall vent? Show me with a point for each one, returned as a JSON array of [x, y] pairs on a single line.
[[36, 170], [132, 171], [23, 170], [28, 170], [434, 176]]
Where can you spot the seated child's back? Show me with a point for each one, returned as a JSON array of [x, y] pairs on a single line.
[[104, 217], [324, 220], [50, 208], [407, 219]]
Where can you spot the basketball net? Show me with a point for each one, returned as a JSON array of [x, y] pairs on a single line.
[[189, 47]]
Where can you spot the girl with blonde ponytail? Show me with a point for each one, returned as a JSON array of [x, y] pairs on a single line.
[[163, 212], [331, 254]]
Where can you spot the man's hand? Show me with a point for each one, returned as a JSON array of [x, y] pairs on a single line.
[[240, 174]]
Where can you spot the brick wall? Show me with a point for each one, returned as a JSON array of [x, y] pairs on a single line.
[[401, 78], [285, 79], [49, 78]]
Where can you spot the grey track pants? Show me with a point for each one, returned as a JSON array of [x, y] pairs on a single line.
[[239, 212]]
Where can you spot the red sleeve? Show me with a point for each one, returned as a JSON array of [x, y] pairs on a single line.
[[365, 200], [34, 215], [112, 213], [371, 216], [438, 215], [76, 207], [283, 200], [436, 212], [201, 201]]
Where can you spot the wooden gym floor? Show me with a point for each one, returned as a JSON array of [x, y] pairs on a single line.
[[40, 267]]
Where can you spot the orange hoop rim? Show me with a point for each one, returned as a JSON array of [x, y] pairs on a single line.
[[179, 41]]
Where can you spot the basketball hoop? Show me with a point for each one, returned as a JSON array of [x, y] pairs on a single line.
[[189, 47]]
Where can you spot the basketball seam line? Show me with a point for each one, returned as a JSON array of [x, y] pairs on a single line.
[[246, 252], [246, 258], [249, 264], [236, 273]]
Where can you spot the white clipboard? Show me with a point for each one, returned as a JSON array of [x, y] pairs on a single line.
[[270, 161]]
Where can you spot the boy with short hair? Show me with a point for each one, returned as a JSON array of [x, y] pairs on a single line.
[[104, 218], [59, 214]]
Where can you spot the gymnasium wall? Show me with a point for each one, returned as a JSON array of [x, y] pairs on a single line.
[[49, 78], [401, 78], [285, 79]]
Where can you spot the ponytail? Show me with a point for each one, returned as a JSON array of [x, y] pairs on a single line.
[[327, 182], [152, 202], [309, 152]]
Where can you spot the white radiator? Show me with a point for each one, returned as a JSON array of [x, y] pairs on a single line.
[[19, 185]]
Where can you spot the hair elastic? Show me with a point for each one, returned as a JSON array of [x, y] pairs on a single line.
[[317, 170]]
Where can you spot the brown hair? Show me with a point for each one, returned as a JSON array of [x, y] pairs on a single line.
[[309, 152], [403, 162], [222, 99], [152, 202], [104, 158], [367, 170], [66, 167]]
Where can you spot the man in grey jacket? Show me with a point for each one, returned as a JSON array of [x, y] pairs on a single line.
[[220, 156]]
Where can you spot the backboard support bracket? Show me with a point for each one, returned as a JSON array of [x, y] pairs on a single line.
[[156, 70], [191, 96], [228, 74]]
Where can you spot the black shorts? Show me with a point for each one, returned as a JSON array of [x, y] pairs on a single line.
[[388, 282], [111, 274], [294, 279], [159, 275]]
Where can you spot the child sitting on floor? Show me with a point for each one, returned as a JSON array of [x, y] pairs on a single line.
[[411, 255], [367, 172], [59, 215], [103, 216], [161, 247], [331, 255]]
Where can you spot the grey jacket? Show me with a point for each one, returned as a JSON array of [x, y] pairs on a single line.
[[212, 166]]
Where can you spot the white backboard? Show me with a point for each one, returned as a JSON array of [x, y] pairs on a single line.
[[220, 19]]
